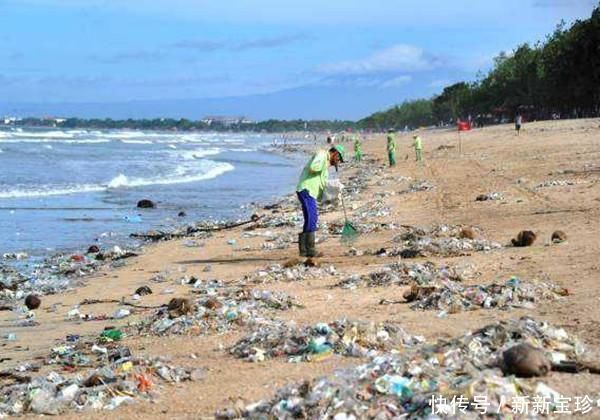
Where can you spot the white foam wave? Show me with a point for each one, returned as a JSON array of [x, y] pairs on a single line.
[[49, 191], [44, 134], [53, 140], [198, 171], [182, 174], [136, 141], [200, 153]]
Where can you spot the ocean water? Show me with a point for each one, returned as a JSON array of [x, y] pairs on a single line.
[[62, 190]]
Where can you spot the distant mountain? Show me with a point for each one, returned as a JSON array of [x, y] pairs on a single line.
[[305, 103]]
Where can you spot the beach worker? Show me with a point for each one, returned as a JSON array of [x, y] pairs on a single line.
[[518, 123], [357, 148], [330, 141], [313, 181], [391, 147], [418, 145]]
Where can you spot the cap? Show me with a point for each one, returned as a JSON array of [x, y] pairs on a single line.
[[341, 150]]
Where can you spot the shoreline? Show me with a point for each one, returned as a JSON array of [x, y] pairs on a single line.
[[450, 201]]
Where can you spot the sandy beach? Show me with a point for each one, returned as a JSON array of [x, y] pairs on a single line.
[[493, 159]]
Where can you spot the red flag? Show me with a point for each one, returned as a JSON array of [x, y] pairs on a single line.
[[463, 125]]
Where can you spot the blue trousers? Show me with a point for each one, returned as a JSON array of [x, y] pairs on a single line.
[[309, 211]]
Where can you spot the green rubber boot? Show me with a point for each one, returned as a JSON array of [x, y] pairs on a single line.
[[302, 244], [311, 250]]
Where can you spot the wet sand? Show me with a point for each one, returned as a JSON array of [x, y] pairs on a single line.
[[492, 160]]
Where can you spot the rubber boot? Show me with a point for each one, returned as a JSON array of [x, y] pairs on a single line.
[[302, 244], [311, 250]]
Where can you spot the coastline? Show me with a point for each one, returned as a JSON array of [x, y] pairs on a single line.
[[483, 167]]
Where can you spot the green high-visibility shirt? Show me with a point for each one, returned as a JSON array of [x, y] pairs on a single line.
[[391, 143], [418, 144], [315, 174], [357, 145]]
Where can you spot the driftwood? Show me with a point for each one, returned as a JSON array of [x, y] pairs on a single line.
[[571, 366], [120, 302], [17, 378], [564, 211], [162, 236]]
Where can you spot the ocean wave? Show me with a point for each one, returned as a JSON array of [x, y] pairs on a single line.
[[136, 141], [183, 174], [53, 140], [199, 171], [28, 192], [45, 134], [200, 153]]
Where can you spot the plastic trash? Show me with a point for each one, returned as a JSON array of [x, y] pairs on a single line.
[[113, 334]]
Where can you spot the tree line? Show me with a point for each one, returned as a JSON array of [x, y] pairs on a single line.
[[555, 78], [183, 124]]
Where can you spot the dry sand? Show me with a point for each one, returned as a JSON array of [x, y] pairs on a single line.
[[492, 159]]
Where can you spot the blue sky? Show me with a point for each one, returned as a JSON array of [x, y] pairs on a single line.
[[262, 58]]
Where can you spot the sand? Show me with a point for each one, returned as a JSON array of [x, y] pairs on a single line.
[[492, 160]]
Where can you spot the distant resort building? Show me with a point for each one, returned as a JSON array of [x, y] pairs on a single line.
[[10, 120], [226, 121]]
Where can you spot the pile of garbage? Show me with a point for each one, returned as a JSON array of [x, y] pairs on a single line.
[[493, 196], [279, 273], [375, 209], [440, 240], [272, 240], [555, 183], [402, 273], [343, 337], [458, 378], [218, 309], [119, 378], [418, 186], [57, 273], [452, 297], [278, 220]]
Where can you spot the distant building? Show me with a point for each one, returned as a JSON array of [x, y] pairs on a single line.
[[10, 120], [54, 120], [226, 121]]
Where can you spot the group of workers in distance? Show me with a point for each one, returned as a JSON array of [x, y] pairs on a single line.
[[313, 181], [391, 147]]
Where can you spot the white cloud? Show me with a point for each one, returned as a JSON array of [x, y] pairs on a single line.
[[400, 57], [396, 82]]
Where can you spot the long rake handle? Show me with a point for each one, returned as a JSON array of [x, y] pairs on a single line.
[[344, 208]]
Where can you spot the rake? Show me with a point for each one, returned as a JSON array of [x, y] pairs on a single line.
[[349, 232]]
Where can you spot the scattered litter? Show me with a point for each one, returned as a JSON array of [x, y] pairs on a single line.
[[219, 308], [418, 186], [439, 240], [556, 183], [278, 273], [118, 377], [404, 273], [344, 337], [493, 196], [454, 297], [404, 384]]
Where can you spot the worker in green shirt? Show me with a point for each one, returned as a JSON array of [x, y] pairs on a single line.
[[418, 145], [357, 148], [391, 147], [313, 181]]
